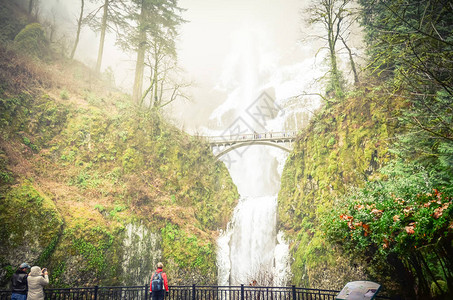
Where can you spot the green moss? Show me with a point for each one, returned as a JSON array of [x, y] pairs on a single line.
[[187, 252], [48, 251], [24, 202], [32, 41], [131, 160], [30, 225], [340, 148]]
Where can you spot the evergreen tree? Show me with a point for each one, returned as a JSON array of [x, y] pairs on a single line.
[[411, 48], [108, 17], [155, 21], [79, 28]]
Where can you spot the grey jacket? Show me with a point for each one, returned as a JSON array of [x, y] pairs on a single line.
[[36, 282]]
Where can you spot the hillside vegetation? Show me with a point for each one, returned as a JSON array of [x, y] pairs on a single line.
[[367, 193], [95, 189]]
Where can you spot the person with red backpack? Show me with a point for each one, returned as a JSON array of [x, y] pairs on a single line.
[[159, 283]]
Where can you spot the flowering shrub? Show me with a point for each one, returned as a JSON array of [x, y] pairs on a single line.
[[393, 223], [405, 209]]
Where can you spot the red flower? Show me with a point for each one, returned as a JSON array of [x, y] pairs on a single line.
[[409, 229], [366, 227], [377, 212], [386, 244]]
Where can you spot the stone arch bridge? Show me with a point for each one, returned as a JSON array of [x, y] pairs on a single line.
[[228, 143]]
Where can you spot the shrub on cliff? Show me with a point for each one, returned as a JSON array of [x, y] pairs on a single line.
[[32, 41]]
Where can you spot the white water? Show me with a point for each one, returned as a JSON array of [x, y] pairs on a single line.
[[251, 248], [252, 252]]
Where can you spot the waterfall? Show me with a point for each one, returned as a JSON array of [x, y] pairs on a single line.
[[263, 95], [253, 241], [251, 248]]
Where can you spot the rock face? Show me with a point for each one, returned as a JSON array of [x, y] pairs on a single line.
[[30, 226], [141, 249]]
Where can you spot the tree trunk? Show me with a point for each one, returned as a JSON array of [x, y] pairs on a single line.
[[351, 61], [155, 99], [30, 6], [332, 40], [101, 42], [79, 28], [140, 64]]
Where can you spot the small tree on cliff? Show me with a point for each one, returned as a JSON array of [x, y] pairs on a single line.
[[336, 17], [166, 83]]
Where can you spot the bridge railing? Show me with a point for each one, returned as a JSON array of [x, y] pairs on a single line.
[[190, 292], [251, 136]]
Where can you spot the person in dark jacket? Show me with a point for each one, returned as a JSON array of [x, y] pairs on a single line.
[[19, 283], [159, 283]]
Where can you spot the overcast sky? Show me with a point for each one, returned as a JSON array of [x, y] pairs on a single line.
[[229, 45]]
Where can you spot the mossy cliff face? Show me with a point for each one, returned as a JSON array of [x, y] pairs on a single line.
[[31, 224], [340, 148], [98, 191]]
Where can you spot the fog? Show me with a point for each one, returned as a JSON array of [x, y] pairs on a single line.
[[223, 44], [226, 41]]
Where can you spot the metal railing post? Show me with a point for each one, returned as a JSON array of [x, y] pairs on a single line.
[[242, 292], [146, 292], [96, 292], [293, 290], [193, 292]]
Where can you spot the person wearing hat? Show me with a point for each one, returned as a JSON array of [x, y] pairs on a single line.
[[37, 279], [159, 283], [19, 283]]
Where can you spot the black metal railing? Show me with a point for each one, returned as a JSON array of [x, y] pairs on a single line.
[[192, 292]]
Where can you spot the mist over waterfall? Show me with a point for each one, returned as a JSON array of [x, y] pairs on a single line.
[[262, 99]]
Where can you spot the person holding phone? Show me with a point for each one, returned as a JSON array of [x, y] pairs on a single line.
[[37, 279]]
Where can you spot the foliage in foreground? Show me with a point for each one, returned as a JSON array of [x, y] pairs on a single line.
[[404, 218]]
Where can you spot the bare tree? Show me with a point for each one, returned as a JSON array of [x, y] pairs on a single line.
[[351, 61], [335, 16], [51, 25], [165, 85]]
